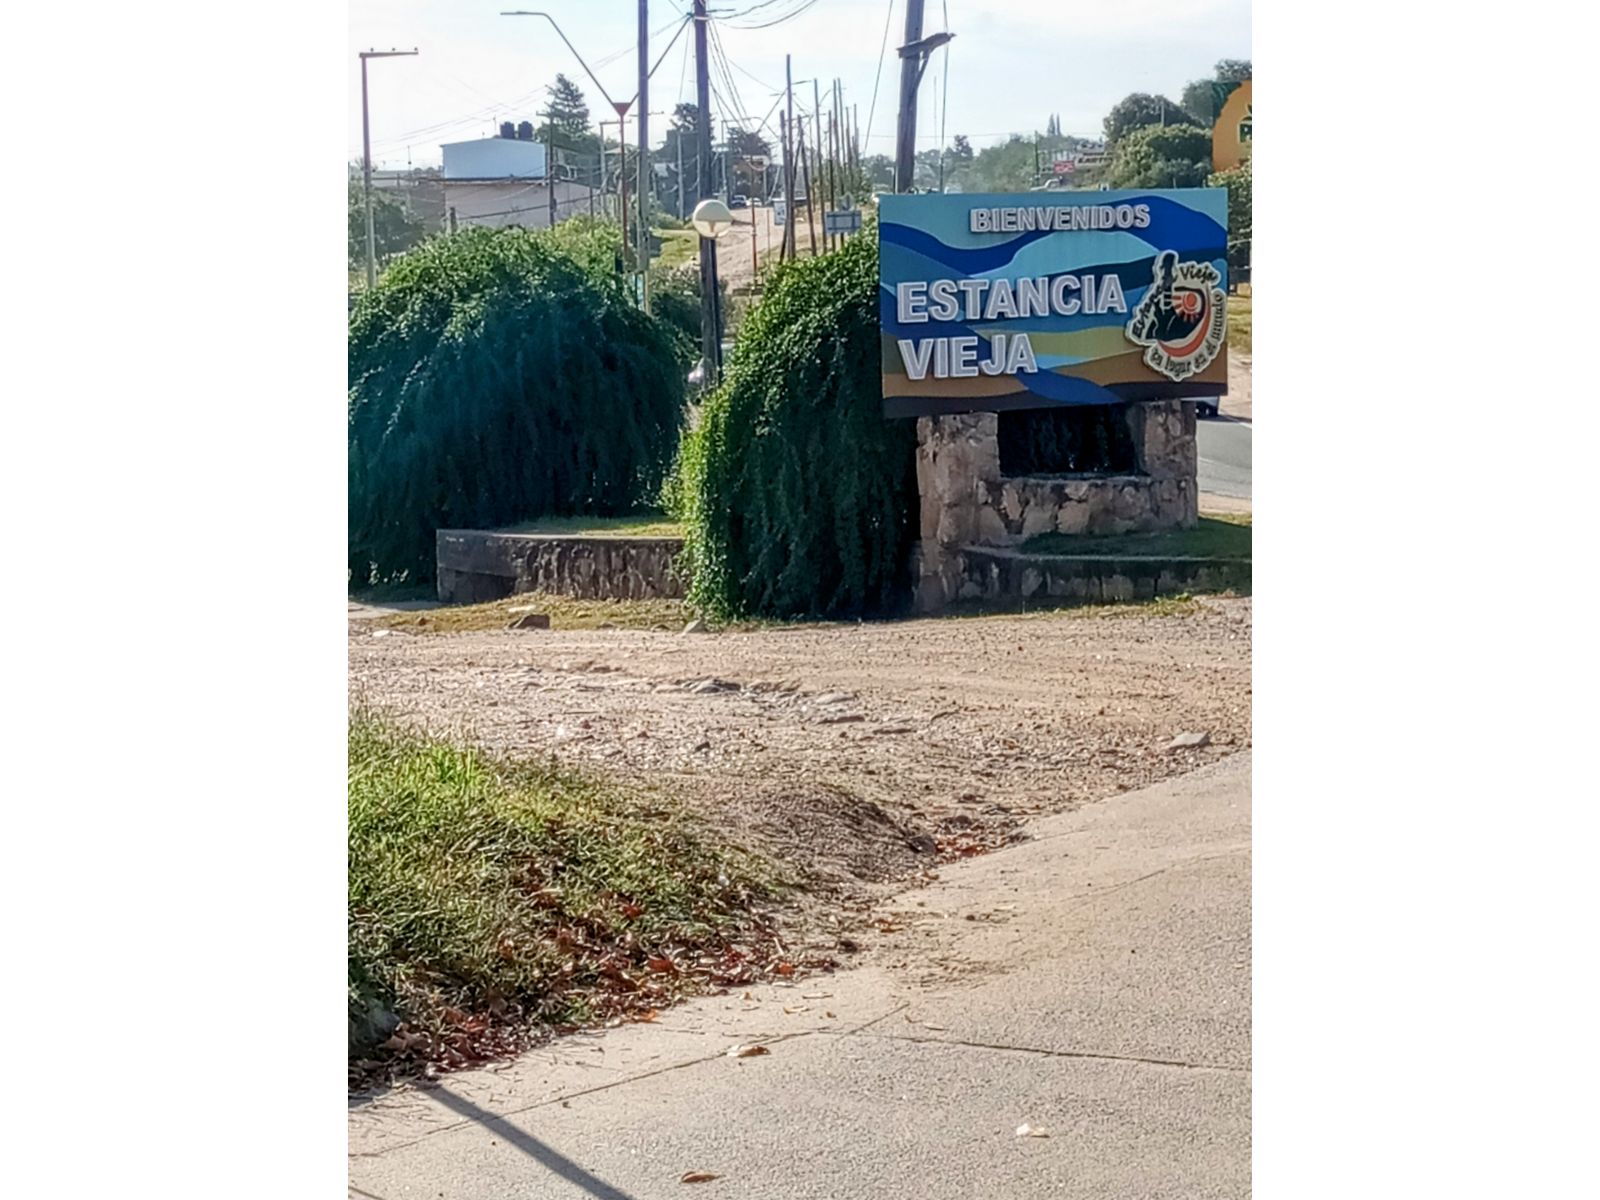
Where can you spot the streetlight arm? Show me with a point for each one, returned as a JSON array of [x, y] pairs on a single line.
[[570, 46]]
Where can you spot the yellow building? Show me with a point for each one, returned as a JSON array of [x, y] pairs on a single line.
[[1230, 136]]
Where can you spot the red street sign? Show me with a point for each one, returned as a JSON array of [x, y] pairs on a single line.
[[1065, 166]]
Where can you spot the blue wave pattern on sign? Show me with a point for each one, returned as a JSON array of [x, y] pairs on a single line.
[[1180, 226]]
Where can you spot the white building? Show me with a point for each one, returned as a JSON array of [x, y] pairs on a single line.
[[498, 181]]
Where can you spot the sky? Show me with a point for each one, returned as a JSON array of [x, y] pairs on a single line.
[[1011, 65]]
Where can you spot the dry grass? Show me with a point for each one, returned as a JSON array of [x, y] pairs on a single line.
[[642, 525], [564, 612]]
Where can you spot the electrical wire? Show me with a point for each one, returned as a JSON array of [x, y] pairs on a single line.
[[872, 108], [779, 20]]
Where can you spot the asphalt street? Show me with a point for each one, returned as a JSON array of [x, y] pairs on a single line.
[[1224, 457]]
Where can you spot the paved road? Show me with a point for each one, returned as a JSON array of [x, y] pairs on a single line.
[[1224, 457], [1093, 983]]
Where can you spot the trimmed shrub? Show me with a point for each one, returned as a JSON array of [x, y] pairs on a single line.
[[797, 496], [497, 376]]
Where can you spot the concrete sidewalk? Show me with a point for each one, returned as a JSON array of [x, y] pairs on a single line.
[[1093, 983]]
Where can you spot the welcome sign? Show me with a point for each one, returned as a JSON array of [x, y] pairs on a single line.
[[995, 302]]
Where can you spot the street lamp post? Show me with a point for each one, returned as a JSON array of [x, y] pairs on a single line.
[[712, 219], [366, 157]]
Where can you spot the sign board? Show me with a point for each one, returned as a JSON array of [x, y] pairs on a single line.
[[780, 212], [846, 220], [1065, 166], [1230, 136], [995, 302]]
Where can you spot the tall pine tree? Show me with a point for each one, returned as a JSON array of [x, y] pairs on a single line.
[[569, 112]]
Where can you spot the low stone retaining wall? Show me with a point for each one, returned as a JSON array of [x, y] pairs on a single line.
[[968, 505], [985, 573], [474, 566]]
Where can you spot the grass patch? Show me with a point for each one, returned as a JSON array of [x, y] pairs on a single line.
[[1239, 323], [565, 612], [490, 901], [678, 246], [653, 525], [1223, 536], [1162, 606]]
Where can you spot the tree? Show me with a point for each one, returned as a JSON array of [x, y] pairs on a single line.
[[797, 497], [961, 149], [1052, 127], [744, 145], [568, 112], [1238, 182], [684, 132], [1140, 109], [879, 169], [1162, 156], [1203, 98], [496, 376], [395, 230]]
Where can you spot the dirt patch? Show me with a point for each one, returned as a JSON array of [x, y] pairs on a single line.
[[842, 750]]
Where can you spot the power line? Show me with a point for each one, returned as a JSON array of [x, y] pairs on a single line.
[[878, 78], [788, 16]]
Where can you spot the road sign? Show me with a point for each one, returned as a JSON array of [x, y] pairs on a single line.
[[847, 220]]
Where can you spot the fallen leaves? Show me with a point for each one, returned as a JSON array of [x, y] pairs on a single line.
[[1027, 1130], [750, 1051], [698, 1177]]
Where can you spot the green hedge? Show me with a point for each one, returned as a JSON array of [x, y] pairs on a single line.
[[798, 498], [497, 376]]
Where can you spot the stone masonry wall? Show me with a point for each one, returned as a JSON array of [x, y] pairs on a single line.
[[474, 566], [967, 502]]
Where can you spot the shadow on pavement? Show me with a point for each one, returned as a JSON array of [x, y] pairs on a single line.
[[544, 1155]]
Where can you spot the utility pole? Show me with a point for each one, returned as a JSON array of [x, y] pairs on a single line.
[[913, 61], [644, 152], [905, 144], [785, 251], [679, 140], [550, 164], [816, 153], [366, 158], [788, 158], [811, 197], [710, 318]]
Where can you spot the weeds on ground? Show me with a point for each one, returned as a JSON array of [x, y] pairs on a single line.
[[642, 525], [565, 612], [1212, 537], [491, 901]]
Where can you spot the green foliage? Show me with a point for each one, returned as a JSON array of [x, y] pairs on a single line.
[[394, 229], [1238, 182], [568, 111], [797, 496], [675, 302], [1162, 156], [1140, 109], [497, 376], [485, 893], [1203, 98]]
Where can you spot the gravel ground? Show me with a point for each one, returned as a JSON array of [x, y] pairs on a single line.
[[852, 753]]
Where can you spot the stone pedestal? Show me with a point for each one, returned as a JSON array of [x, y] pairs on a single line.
[[967, 503]]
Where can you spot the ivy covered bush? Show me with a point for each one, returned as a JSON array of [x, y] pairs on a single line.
[[497, 376], [798, 498]]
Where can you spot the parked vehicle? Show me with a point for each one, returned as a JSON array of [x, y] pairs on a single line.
[[739, 202]]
